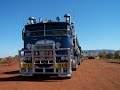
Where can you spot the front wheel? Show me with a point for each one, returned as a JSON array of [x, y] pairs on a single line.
[[74, 65], [68, 77], [74, 69]]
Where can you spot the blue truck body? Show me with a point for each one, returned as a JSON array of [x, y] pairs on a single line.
[[50, 47]]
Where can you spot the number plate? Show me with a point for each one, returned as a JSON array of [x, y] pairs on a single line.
[[61, 65], [26, 65]]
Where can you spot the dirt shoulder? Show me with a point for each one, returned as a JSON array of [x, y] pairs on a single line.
[[91, 75]]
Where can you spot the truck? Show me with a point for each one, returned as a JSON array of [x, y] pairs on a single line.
[[50, 47]]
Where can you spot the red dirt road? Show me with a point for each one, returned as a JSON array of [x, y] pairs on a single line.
[[91, 75]]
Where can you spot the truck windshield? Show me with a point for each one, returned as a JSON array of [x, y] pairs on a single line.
[[41, 33], [34, 33], [56, 32]]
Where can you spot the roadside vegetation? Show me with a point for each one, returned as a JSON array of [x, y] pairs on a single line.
[[111, 56], [106, 56], [8, 60]]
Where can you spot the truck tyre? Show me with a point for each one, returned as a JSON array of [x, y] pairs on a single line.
[[74, 69], [68, 77]]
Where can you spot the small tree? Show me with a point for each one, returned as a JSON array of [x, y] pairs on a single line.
[[102, 54], [117, 54], [109, 56]]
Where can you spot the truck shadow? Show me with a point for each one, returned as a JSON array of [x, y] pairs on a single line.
[[115, 62], [12, 72], [15, 76]]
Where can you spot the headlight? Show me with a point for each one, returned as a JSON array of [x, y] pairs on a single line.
[[36, 53], [57, 45], [64, 58], [28, 46], [29, 59]]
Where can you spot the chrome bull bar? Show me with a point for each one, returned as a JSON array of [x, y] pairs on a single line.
[[42, 59]]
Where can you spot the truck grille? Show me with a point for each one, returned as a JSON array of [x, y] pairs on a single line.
[[44, 56], [44, 47]]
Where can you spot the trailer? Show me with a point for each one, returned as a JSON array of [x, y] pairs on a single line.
[[50, 47]]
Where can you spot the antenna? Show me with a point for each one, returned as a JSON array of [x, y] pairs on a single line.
[[73, 15], [40, 19]]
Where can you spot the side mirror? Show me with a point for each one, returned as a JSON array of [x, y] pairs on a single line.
[[23, 34], [79, 47]]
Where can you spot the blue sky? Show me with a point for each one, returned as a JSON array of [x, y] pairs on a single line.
[[97, 21]]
